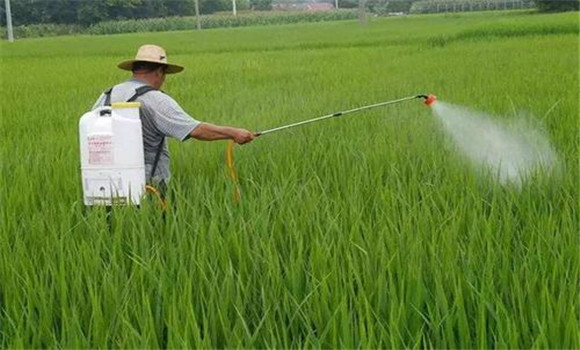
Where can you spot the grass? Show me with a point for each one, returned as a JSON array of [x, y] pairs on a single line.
[[367, 231]]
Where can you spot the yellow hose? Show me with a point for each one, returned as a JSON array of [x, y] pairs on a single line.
[[233, 173], [162, 202]]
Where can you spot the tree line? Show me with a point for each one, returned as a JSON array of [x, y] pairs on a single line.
[[88, 12]]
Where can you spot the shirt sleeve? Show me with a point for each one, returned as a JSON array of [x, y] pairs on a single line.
[[170, 118]]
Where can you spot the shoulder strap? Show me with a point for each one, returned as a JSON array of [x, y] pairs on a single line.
[[141, 91], [108, 97], [138, 92], [157, 156]]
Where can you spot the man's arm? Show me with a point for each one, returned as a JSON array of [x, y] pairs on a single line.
[[211, 132], [173, 121]]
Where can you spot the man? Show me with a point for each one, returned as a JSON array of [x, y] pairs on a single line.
[[161, 115]]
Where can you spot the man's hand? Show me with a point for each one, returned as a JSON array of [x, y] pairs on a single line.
[[242, 136]]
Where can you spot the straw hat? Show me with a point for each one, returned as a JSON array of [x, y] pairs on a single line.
[[151, 53]]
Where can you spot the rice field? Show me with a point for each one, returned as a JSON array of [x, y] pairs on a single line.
[[368, 231]]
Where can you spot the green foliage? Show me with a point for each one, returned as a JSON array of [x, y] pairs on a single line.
[[367, 232], [261, 5], [86, 12], [211, 6], [436, 6], [43, 30], [181, 23], [557, 5], [91, 12], [383, 7], [347, 4]]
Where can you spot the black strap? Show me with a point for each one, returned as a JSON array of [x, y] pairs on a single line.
[[139, 92], [108, 97], [157, 156]]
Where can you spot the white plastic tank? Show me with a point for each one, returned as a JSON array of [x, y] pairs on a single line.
[[112, 160]]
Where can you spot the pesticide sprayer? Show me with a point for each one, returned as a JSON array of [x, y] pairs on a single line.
[[112, 157]]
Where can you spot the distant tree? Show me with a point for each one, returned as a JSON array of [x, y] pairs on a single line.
[[87, 12], [180, 7], [124, 9], [151, 8], [558, 5], [90, 12], [242, 5], [261, 4], [347, 4], [211, 6], [26, 12]]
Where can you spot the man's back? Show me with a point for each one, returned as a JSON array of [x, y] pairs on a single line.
[[160, 116]]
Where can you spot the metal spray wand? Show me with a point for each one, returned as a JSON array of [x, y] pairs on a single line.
[[429, 99]]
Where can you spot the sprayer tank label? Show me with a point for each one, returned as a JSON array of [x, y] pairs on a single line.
[[100, 149]]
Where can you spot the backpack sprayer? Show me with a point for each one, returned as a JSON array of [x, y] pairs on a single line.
[[429, 100], [112, 155]]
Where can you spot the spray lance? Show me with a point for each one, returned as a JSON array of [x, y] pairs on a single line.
[[428, 100]]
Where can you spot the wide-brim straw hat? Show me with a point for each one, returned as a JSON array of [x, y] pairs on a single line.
[[154, 54]]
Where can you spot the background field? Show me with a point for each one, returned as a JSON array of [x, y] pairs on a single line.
[[368, 231]]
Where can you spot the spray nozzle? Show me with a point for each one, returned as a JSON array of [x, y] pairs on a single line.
[[429, 99]]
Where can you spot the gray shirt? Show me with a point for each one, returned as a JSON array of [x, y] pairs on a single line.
[[161, 116]]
